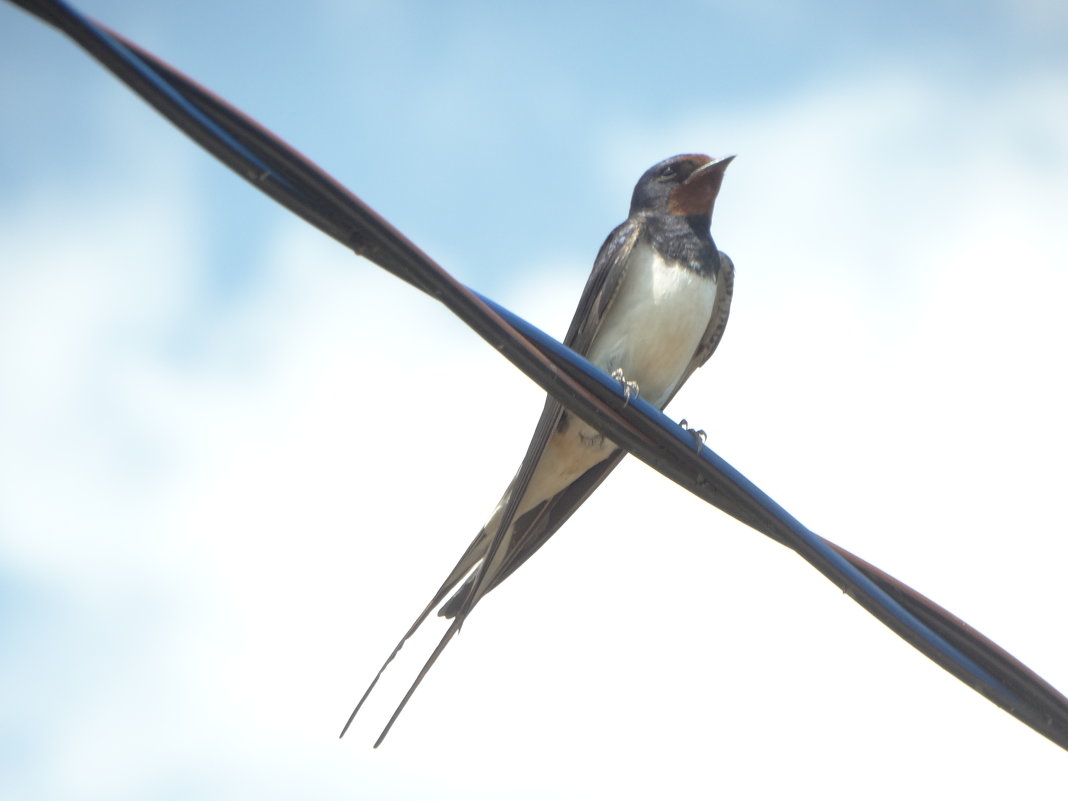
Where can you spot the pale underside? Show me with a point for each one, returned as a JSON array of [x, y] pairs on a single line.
[[670, 305]]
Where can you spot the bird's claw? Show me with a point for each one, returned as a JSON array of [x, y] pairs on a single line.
[[698, 434], [629, 387]]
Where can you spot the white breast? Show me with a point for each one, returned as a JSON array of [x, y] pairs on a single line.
[[655, 324]]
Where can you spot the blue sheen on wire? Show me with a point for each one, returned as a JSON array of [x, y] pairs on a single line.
[[813, 540]]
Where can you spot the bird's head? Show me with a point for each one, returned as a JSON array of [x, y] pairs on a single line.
[[685, 185]]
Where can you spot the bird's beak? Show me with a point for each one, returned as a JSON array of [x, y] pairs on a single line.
[[706, 171]]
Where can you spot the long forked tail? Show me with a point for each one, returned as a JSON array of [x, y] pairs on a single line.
[[480, 554], [458, 607], [449, 634], [382, 670], [467, 561]]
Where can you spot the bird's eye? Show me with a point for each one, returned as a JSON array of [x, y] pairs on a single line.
[[668, 171]]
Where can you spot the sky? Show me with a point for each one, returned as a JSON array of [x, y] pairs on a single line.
[[236, 460]]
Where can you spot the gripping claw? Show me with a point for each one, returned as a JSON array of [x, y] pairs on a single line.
[[698, 434], [630, 388]]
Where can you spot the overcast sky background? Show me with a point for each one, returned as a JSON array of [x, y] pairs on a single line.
[[235, 461]]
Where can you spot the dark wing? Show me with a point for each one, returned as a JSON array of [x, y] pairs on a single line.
[[532, 531], [534, 528], [608, 270], [538, 526]]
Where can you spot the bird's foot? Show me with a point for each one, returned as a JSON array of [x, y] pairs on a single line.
[[698, 434], [629, 387]]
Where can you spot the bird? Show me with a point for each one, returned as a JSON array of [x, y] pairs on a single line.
[[653, 310]]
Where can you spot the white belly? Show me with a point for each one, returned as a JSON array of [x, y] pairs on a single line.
[[654, 325]]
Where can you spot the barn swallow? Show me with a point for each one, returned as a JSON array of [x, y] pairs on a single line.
[[653, 310]]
